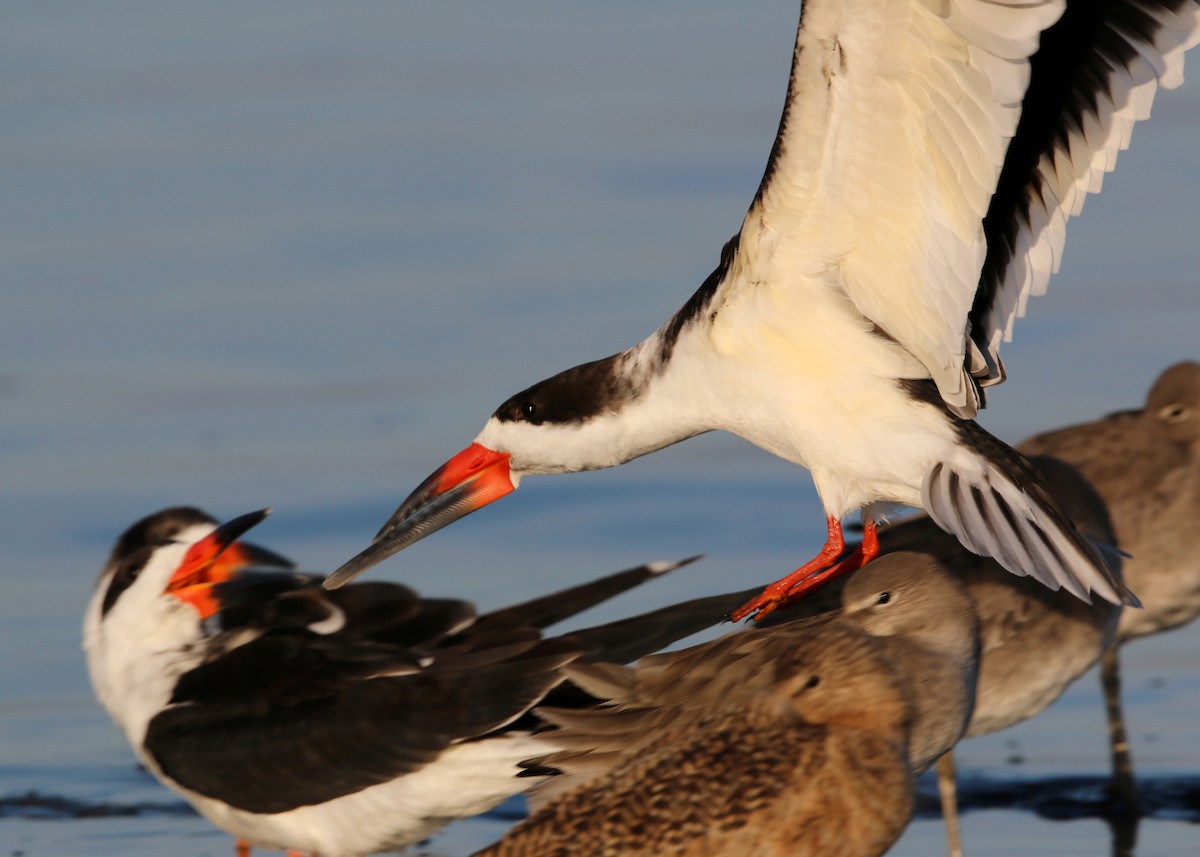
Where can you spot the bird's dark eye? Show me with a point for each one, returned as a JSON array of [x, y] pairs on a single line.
[[528, 410], [1174, 413], [813, 681], [126, 573], [132, 567], [884, 597]]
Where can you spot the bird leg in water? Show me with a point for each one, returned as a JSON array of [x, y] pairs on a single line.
[[1124, 786], [948, 792], [820, 569]]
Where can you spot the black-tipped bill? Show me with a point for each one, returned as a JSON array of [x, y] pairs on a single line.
[[468, 481], [202, 563]]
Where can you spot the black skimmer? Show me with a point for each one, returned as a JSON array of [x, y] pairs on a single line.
[[916, 196], [337, 723], [803, 738]]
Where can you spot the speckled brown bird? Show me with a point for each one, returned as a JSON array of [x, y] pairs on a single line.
[[795, 739]]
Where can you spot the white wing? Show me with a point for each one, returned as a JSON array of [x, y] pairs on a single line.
[[896, 135], [898, 117]]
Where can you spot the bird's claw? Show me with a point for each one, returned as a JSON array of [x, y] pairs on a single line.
[[758, 607]]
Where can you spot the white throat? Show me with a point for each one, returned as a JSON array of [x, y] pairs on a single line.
[[139, 649]]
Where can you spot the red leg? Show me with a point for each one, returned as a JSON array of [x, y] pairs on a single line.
[[866, 551], [823, 567], [870, 543], [769, 599]]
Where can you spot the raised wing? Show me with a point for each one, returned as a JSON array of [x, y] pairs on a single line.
[[898, 117], [1094, 77]]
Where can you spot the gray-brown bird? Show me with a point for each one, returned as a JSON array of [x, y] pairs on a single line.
[[1034, 642], [1141, 493], [1146, 465]]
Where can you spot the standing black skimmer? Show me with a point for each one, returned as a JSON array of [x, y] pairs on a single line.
[[337, 723], [916, 196]]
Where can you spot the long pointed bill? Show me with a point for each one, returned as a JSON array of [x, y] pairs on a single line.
[[468, 481], [214, 559]]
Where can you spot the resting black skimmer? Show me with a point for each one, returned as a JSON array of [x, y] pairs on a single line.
[[916, 196], [338, 723]]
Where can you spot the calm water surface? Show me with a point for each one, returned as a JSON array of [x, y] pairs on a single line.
[[293, 255]]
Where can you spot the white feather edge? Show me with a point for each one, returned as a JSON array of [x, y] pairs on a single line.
[[1020, 550]]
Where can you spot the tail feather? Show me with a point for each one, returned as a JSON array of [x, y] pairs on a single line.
[[603, 680], [1021, 526], [553, 608], [635, 637]]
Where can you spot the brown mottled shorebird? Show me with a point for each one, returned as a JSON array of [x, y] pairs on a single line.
[[802, 738]]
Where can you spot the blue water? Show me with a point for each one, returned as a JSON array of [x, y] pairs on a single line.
[[292, 254]]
